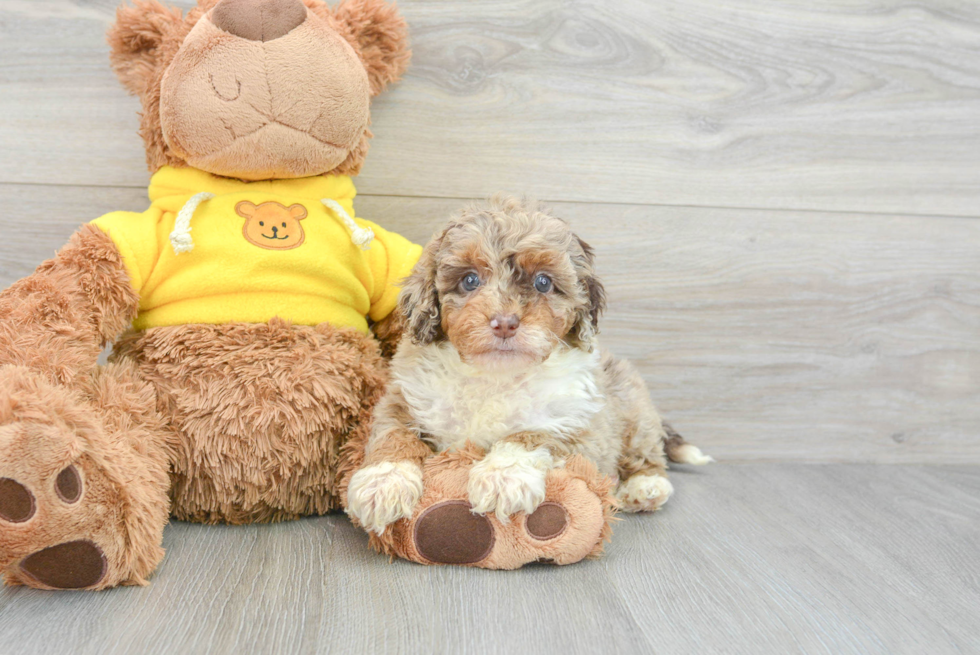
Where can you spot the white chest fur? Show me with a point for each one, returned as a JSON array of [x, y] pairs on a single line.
[[453, 402]]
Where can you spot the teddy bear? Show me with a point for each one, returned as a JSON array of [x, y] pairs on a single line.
[[249, 311]]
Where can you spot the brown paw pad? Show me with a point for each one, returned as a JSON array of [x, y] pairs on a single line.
[[68, 485], [72, 565], [450, 533], [16, 502], [548, 521]]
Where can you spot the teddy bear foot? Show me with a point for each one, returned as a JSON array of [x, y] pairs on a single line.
[[79, 508], [571, 524], [73, 564]]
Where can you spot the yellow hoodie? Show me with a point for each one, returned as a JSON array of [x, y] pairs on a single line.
[[214, 250]]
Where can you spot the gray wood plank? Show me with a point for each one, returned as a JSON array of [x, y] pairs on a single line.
[[744, 559], [762, 334], [863, 106]]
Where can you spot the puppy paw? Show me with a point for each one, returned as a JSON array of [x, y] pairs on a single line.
[[381, 494], [644, 493], [508, 480]]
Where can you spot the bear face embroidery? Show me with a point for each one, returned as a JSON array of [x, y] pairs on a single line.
[[271, 225]]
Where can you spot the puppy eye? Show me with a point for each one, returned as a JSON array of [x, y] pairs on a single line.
[[261, 223], [542, 283], [471, 281]]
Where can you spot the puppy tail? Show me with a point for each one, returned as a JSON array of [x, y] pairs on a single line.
[[680, 451]]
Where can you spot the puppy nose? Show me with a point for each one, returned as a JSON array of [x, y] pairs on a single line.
[[505, 326], [258, 20]]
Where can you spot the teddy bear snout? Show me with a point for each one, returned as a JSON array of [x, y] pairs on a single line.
[[258, 20]]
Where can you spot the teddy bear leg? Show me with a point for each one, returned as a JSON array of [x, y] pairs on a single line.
[[83, 480], [572, 523], [262, 411]]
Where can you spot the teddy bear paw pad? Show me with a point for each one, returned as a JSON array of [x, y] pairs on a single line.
[[71, 565], [53, 526], [16, 501], [450, 533], [548, 521]]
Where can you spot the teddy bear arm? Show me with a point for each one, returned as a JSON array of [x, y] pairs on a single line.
[[57, 320]]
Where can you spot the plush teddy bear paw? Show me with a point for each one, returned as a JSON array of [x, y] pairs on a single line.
[[380, 494], [644, 493], [57, 512], [63, 520], [570, 524]]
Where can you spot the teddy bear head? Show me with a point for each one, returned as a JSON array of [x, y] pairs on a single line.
[[258, 89]]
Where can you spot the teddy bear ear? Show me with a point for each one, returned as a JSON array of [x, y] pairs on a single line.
[[381, 39], [136, 38], [245, 209]]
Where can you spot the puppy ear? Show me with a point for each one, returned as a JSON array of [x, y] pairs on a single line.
[[587, 317], [380, 38], [419, 297], [135, 40]]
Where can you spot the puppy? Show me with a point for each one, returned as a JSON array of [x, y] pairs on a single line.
[[501, 314]]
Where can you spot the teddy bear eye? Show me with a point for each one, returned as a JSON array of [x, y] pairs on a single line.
[[261, 223], [284, 225], [542, 283], [471, 281]]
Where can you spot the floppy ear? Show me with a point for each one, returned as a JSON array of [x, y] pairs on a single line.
[[135, 40], [419, 297], [380, 38], [587, 317]]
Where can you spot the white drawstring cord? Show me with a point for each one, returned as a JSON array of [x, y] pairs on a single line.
[[180, 238], [360, 236]]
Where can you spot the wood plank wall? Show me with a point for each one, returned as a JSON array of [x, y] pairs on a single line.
[[783, 196]]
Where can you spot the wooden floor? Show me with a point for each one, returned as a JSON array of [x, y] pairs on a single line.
[[785, 201], [775, 558]]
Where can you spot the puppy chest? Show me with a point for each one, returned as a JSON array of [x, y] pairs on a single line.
[[456, 408]]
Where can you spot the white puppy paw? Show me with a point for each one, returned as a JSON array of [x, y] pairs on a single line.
[[509, 479], [381, 494], [644, 493]]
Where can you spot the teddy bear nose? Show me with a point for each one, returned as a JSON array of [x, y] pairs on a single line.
[[258, 20]]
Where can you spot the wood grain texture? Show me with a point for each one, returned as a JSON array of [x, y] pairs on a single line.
[[838, 105], [744, 559], [762, 335]]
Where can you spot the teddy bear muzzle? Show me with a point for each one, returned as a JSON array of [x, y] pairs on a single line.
[[258, 20], [264, 89]]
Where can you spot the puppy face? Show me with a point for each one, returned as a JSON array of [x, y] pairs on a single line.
[[506, 284]]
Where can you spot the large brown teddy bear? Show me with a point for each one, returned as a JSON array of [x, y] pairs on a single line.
[[243, 391]]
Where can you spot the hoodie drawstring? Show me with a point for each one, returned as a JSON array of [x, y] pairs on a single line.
[[360, 236], [180, 238]]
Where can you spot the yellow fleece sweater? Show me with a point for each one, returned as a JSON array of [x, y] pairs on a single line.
[[214, 250]]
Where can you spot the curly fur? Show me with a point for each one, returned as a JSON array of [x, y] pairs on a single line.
[[542, 392]]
